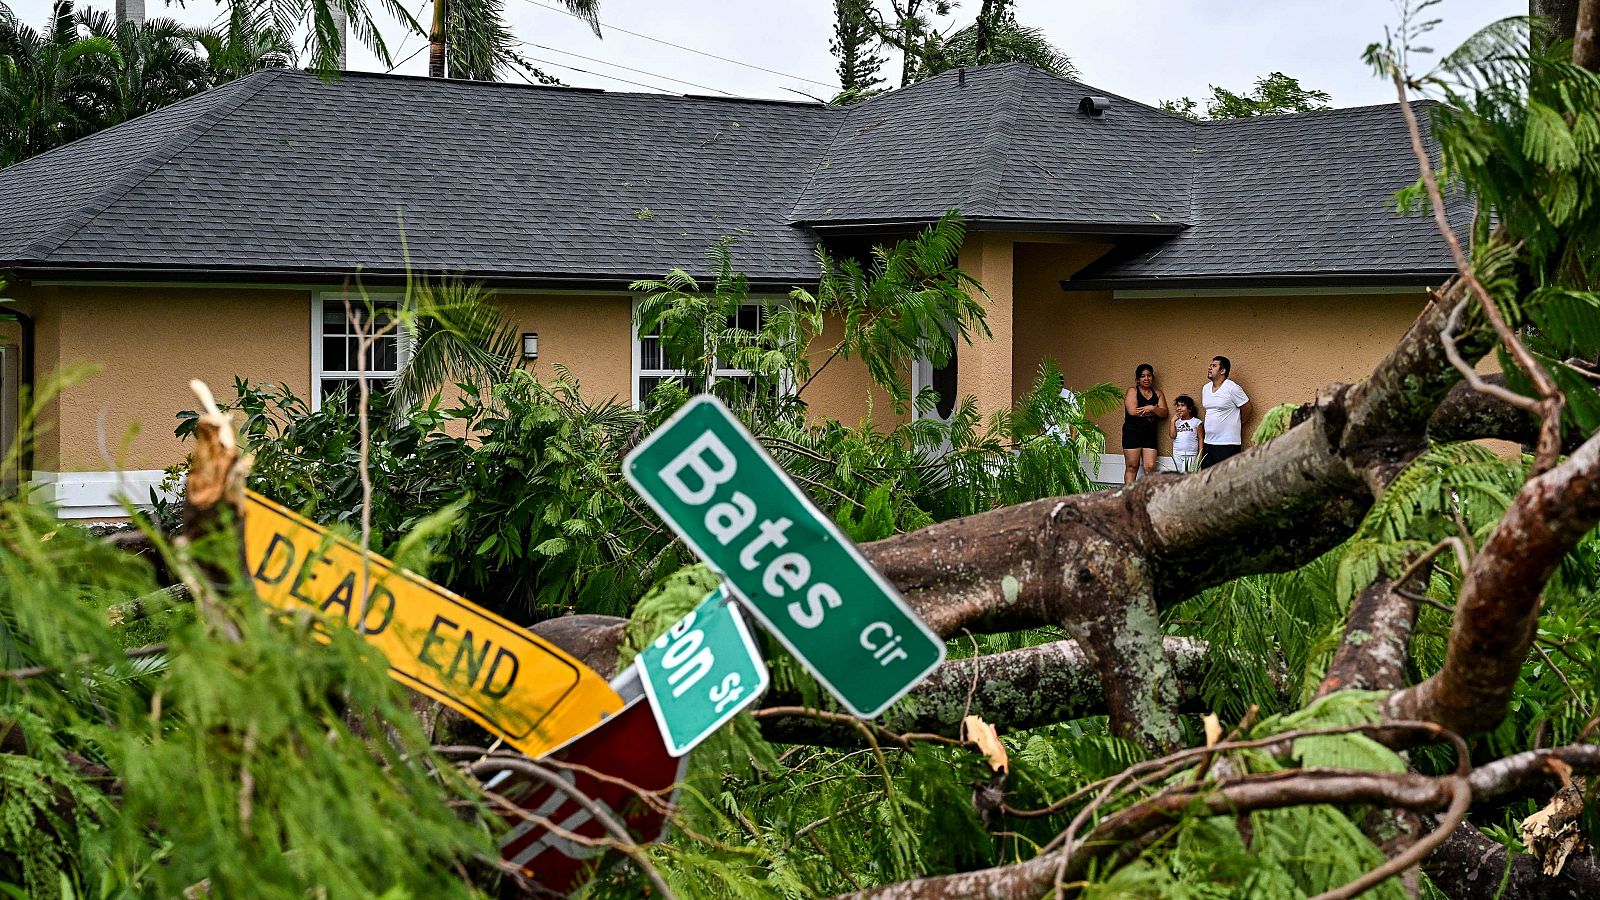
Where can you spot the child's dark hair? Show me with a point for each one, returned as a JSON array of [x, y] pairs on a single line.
[[1188, 401]]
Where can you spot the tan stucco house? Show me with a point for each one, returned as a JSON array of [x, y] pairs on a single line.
[[216, 237]]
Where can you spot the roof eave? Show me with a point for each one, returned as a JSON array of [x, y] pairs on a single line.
[[996, 223], [602, 281], [1401, 277]]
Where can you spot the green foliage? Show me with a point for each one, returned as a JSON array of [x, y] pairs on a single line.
[[1292, 852], [904, 301], [84, 71], [997, 37], [1274, 94], [454, 333], [858, 50], [1275, 422], [546, 524], [274, 765], [1449, 489], [994, 36], [1524, 133], [51, 90], [1277, 631]]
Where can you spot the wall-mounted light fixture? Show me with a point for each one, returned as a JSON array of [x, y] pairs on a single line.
[[530, 345]]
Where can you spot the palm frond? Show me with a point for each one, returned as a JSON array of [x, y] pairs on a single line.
[[458, 334]]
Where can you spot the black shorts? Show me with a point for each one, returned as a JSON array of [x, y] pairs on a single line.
[[1137, 435], [1216, 453]]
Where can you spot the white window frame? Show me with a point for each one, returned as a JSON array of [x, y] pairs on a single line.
[[319, 301], [638, 370], [922, 377]]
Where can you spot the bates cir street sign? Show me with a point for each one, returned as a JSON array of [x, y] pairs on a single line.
[[805, 581]]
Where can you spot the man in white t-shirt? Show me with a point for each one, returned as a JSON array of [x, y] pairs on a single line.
[[1223, 401]]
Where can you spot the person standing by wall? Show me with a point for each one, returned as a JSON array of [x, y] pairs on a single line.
[[1188, 434], [1224, 401], [1142, 405]]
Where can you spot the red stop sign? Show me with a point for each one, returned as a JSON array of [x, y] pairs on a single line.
[[627, 747]]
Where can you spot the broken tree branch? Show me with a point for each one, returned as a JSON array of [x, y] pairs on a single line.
[[1120, 836], [1021, 688], [1498, 611], [213, 507]]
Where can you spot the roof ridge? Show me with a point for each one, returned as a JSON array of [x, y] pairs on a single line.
[[119, 187], [995, 155], [1423, 102], [825, 159], [432, 81]]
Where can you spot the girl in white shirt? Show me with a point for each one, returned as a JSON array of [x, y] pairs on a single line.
[[1188, 435]]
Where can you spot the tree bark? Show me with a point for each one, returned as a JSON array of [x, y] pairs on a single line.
[[1558, 22], [1586, 36], [436, 39], [1498, 610], [1470, 866], [1377, 641], [1018, 689]]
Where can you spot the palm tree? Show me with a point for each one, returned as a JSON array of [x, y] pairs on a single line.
[[1000, 38], [470, 38], [249, 43], [456, 334], [258, 31], [52, 88], [156, 64]]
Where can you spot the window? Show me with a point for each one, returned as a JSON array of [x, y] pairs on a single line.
[[335, 347], [652, 366]]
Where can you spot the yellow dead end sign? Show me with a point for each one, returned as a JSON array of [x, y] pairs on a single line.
[[501, 676]]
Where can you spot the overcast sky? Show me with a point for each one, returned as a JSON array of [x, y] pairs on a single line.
[[1150, 50]]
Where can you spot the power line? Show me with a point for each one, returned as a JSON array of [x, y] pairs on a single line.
[[689, 49], [608, 62], [407, 59], [407, 39], [551, 62]]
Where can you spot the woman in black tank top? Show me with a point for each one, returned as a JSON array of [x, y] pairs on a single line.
[[1142, 407]]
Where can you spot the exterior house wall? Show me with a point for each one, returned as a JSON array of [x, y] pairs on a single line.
[[145, 344], [1283, 347], [110, 433], [844, 391], [985, 367], [590, 335]]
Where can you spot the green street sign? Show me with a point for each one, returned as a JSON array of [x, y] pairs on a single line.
[[806, 582], [700, 673]]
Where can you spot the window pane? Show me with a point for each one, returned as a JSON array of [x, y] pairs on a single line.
[[333, 355], [650, 355], [384, 355], [343, 391], [648, 384], [736, 389], [749, 317]]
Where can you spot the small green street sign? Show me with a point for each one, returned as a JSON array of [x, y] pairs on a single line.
[[700, 673], [794, 570]]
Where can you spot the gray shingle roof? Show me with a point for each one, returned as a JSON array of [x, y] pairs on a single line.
[[1292, 195], [281, 174], [1002, 142], [491, 179]]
